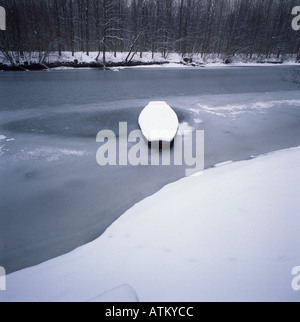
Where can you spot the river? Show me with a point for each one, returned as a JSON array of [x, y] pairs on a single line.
[[54, 196]]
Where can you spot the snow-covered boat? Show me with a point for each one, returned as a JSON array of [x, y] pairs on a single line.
[[159, 122]]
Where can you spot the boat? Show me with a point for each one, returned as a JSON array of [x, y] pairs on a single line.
[[159, 123]]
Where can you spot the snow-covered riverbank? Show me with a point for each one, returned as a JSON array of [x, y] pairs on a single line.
[[36, 61], [230, 234]]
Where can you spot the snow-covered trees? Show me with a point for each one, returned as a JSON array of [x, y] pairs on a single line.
[[185, 26]]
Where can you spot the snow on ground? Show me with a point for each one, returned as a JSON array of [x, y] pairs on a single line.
[[222, 164], [173, 59], [163, 66], [230, 234], [123, 293]]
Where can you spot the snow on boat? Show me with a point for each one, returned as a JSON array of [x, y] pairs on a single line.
[[159, 122]]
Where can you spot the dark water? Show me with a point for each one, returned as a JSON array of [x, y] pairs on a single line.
[[53, 195]]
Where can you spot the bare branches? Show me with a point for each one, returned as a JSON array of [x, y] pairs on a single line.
[[251, 27]]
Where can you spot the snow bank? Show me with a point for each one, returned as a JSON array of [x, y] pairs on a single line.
[[174, 59], [230, 234], [123, 293], [222, 164]]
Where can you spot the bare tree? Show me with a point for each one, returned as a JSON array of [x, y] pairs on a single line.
[[254, 28]]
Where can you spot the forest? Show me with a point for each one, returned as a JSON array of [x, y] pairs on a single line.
[[187, 27]]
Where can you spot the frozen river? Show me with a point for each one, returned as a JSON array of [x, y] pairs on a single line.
[[54, 196]]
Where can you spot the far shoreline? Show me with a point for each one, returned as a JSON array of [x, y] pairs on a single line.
[[73, 65], [13, 61], [108, 66]]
